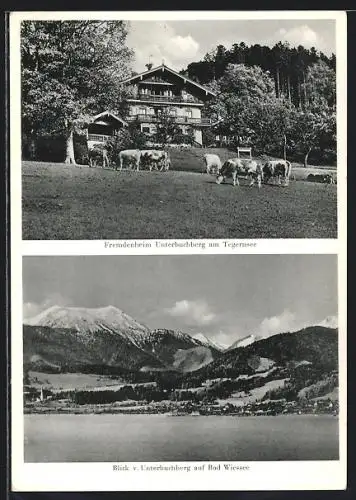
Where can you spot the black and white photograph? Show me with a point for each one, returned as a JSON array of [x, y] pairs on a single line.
[[178, 250], [195, 128], [180, 358]]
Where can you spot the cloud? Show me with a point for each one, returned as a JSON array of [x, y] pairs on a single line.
[[330, 322], [224, 338], [192, 312], [182, 46], [288, 321], [31, 309], [285, 322], [159, 41], [300, 35]]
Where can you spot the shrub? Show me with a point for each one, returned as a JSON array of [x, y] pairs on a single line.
[[138, 138], [52, 148], [128, 138], [116, 144], [81, 151], [95, 155]]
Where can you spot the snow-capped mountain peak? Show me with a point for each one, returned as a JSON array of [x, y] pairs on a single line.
[[90, 320], [245, 341], [208, 342]]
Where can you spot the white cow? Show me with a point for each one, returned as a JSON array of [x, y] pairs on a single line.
[[131, 157], [212, 163], [237, 166], [277, 169]]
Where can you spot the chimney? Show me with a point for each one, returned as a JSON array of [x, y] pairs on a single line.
[[149, 64]]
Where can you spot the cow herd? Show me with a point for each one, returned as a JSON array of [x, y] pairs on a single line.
[[255, 171], [279, 170], [145, 159]]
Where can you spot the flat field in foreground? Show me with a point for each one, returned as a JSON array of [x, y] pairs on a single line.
[[72, 202]]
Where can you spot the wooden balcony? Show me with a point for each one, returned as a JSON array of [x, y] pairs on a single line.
[[162, 98], [99, 137], [156, 82], [183, 120]]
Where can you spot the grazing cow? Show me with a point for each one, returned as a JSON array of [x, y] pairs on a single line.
[[277, 169], [324, 178], [157, 159], [131, 157], [328, 179], [212, 163], [237, 166]]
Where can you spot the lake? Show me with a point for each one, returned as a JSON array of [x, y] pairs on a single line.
[[156, 438]]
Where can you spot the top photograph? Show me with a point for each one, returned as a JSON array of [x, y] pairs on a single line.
[[177, 129]]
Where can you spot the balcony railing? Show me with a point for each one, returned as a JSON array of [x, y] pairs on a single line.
[[156, 82], [164, 98], [177, 119], [99, 138]]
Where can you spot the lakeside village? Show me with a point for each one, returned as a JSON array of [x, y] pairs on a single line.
[[45, 401]]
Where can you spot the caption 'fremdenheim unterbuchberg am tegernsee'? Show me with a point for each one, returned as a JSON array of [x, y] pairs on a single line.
[[178, 244]]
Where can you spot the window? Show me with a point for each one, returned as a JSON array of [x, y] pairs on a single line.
[[188, 113], [146, 130]]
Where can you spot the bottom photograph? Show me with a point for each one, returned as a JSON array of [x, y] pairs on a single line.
[[180, 358]]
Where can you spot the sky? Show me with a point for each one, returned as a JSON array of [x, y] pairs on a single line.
[[179, 43], [225, 297]]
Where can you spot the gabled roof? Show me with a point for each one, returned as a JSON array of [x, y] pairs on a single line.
[[169, 70], [109, 113]]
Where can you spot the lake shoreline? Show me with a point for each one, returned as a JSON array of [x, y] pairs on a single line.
[[102, 410]]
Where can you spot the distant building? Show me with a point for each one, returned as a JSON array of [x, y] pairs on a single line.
[[162, 89], [103, 127]]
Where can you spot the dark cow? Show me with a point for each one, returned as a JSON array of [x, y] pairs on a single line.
[[280, 169], [324, 178], [328, 179], [155, 159], [237, 166]]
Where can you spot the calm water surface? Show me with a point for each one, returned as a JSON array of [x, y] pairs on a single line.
[[146, 438]]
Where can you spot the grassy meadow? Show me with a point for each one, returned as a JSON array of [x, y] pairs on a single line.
[[76, 202]]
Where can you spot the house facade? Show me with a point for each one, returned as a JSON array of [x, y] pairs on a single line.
[[162, 91], [103, 127], [156, 93]]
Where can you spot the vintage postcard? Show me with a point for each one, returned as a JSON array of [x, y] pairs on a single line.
[[178, 250]]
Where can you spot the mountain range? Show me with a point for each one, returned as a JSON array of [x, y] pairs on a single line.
[[68, 338], [82, 339]]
